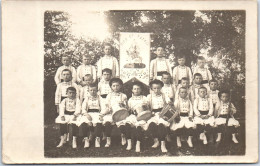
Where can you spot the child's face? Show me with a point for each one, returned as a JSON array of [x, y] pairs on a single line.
[[183, 93], [202, 92], [66, 76], [156, 88], [107, 50], [88, 80], [159, 52], [224, 97], [184, 83], [166, 79], [93, 91], [201, 63], [181, 61], [116, 87], [71, 94], [65, 61], [198, 80], [213, 86], [136, 90], [86, 60], [106, 76]]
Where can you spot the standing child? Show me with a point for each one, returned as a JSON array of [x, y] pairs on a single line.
[[158, 126], [181, 71], [66, 61], [103, 86], [186, 125], [159, 65], [197, 83], [85, 89], [205, 73], [137, 101], [61, 91], [86, 68], [224, 116], [114, 98], [168, 88], [213, 92], [91, 107], [69, 110], [204, 119], [108, 61]]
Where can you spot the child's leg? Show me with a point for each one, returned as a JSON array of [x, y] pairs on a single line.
[[63, 131], [98, 133], [75, 131], [178, 133], [108, 130], [153, 129], [190, 133], [128, 132], [233, 130], [139, 136], [220, 129], [162, 132], [85, 133], [122, 129]]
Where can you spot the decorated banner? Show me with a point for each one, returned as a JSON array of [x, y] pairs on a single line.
[[135, 56]]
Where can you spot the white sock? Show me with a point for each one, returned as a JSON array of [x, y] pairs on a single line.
[[108, 142], [218, 137], [74, 142], [189, 141], [156, 143], [234, 139], [86, 145], [178, 141], [61, 141], [129, 144], [163, 147], [137, 147], [97, 142]]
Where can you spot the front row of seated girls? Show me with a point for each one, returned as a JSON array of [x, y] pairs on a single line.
[[199, 117]]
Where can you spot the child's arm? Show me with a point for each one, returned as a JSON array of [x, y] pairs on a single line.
[[217, 107], [190, 75], [78, 108], [94, 73], [58, 95], [152, 69], [62, 107], [174, 76], [57, 76], [195, 107], [117, 67], [169, 65], [74, 75], [84, 106], [99, 69], [210, 107], [191, 111], [149, 104], [233, 109], [209, 75], [81, 95], [78, 74]]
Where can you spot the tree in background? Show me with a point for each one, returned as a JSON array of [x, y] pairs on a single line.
[[219, 36]]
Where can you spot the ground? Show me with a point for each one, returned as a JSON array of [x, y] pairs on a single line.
[[51, 138]]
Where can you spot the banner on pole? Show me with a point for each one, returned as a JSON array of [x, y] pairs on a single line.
[[135, 56]]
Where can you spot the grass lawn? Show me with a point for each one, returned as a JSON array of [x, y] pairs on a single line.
[[226, 147]]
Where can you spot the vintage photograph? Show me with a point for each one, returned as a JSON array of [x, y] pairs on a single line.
[[144, 83]]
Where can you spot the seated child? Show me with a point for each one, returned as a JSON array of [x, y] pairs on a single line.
[[213, 92], [61, 91], [181, 71], [205, 73], [168, 88], [114, 99], [66, 61], [156, 125], [84, 69], [186, 125], [84, 93], [197, 83], [224, 116], [204, 119], [69, 110], [135, 103], [159, 65], [108, 61], [184, 84], [91, 108]]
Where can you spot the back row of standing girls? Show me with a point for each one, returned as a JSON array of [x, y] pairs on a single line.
[[84, 108]]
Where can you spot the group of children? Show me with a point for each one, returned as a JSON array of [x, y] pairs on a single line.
[[89, 105]]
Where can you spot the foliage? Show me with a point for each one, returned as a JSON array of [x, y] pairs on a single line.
[[219, 36]]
